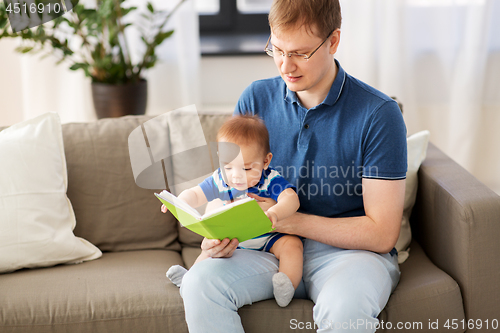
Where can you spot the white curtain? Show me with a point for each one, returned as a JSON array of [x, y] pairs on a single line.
[[441, 59], [30, 86]]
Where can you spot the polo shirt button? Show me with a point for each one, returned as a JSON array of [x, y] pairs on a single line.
[[306, 126]]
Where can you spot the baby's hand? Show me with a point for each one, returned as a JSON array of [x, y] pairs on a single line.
[[264, 203], [164, 209], [272, 216]]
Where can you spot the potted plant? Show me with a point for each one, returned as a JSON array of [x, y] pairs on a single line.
[[94, 41]]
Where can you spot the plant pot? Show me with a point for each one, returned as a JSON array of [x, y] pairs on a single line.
[[117, 100]]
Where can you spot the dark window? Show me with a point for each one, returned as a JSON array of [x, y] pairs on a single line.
[[232, 27]]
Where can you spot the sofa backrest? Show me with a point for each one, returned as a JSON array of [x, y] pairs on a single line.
[[210, 124], [112, 212]]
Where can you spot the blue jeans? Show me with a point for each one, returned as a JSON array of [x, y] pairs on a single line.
[[349, 287]]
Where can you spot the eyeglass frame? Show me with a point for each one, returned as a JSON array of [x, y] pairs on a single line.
[[289, 54]]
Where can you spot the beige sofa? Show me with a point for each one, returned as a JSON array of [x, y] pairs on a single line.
[[451, 274]]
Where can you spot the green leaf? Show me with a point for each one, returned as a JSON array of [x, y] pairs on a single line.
[[113, 36], [24, 49], [125, 11], [45, 56], [77, 66], [88, 12], [162, 36], [40, 31], [3, 22], [151, 61], [150, 7], [67, 52]]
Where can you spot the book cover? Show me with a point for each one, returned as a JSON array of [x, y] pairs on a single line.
[[242, 219]]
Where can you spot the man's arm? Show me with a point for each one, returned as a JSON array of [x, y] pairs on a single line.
[[378, 231]]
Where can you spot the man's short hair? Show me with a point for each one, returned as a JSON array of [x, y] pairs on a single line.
[[245, 130], [325, 15]]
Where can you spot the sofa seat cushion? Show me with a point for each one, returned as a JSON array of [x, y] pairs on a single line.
[[189, 255], [424, 294], [120, 292]]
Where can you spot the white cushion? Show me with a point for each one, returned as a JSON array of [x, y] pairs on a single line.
[[36, 216], [417, 149]]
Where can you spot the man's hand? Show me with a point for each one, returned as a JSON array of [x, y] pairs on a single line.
[[215, 248], [272, 217], [291, 224], [164, 209]]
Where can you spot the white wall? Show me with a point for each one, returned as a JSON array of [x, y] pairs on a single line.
[[224, 78], [11, 77]]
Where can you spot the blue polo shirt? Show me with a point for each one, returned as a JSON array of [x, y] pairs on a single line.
[[356, 132]]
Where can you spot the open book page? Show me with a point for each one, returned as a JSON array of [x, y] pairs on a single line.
[[167, 196], [242, 219], [225, 207]]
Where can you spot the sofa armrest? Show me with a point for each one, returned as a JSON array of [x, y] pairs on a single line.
[[457, 221]]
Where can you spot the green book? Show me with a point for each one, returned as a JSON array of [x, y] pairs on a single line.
[[242, 219]]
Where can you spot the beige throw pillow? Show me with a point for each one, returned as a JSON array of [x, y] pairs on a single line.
[[36, 216], [417, 149]]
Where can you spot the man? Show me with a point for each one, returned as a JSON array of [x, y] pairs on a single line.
[[343, 145]]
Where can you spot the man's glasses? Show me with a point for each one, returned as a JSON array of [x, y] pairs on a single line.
[[272, 52]]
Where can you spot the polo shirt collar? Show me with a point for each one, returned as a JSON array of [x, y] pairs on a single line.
[[333, 94], [222, 179], [263, 177], [291, 96]]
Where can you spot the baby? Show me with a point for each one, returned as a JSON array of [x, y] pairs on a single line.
[[246, 169]]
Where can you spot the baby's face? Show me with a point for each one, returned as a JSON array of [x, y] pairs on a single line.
[[246, 169]]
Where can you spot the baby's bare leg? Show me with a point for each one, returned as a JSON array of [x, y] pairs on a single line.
[[288, 249], [201, 257]]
